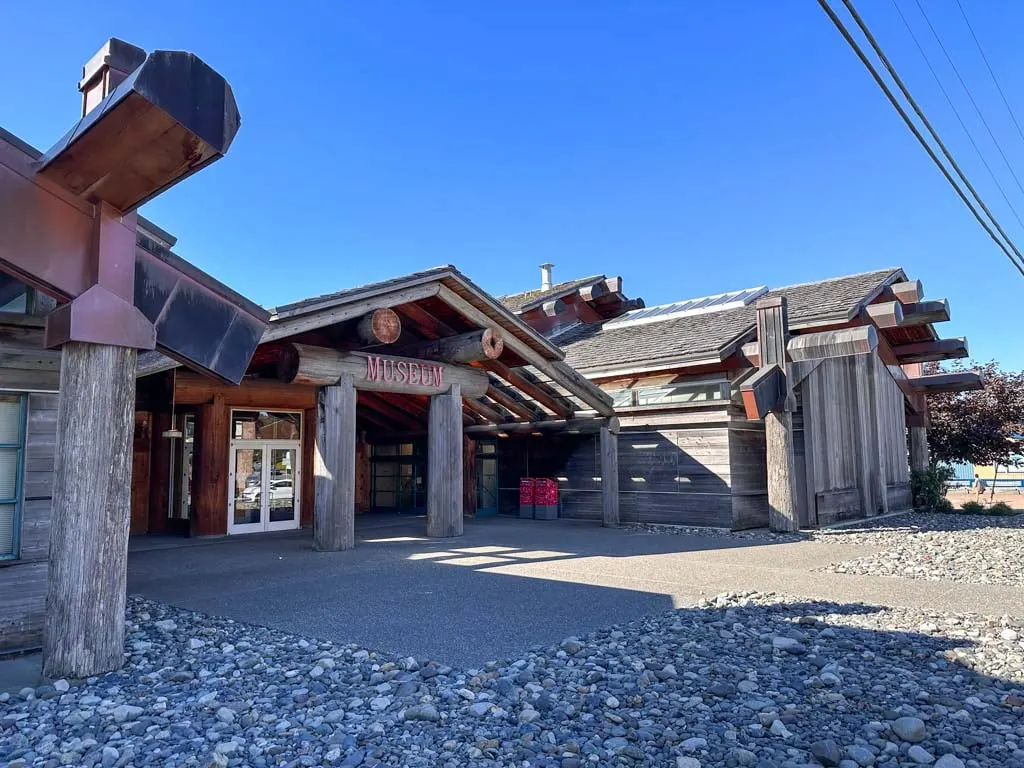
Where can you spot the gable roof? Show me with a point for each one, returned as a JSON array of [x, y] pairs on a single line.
[[711, 336], [527, 300]]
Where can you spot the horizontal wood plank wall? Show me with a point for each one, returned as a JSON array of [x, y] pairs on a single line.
[[674, 467], [748, 474], [23, 581], [892, 432], [26, 364]]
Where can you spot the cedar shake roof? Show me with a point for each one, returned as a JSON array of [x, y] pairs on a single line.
[[520, 302], [709, 336]]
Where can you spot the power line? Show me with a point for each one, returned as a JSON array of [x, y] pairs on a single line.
[[990, 71], [959, 117], [837, 22], [970, 96]]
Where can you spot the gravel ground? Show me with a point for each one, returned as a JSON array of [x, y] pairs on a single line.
[[742, 680], [969, 549]]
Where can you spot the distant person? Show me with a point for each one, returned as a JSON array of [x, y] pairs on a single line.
[[979, 486]]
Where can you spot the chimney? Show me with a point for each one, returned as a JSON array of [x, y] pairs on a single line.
[[107, 70], [545, 276]]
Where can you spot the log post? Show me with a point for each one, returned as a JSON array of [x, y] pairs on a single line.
[[609, 477], [444, 464], [85, 601], [334, 465], [919, 454], [772, 338], [473, 347], [382, 326]]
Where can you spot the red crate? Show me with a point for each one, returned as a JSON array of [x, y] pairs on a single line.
[[526, 491], [545, 492]]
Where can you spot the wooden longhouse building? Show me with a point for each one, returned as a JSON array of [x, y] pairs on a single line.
[[137, 394], [694, 396]]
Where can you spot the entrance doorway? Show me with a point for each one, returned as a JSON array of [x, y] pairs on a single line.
[[398, 478], [486, 478], [264, 473]]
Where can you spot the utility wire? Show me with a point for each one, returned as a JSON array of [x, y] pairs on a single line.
[[959, 117], [1017, 261], [970, 96], [990, 71], [913, 128]]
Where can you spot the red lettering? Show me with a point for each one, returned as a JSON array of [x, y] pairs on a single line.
[[425, 374], [414, 373], [403, 371], [373, 368], [438, 373]]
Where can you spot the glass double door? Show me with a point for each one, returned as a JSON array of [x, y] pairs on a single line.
[[264, 485]]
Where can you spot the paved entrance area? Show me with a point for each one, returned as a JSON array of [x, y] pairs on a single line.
[[506, 584]]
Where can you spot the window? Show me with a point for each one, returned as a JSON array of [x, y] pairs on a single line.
[[12, 438], [265, 425], [681, 392]]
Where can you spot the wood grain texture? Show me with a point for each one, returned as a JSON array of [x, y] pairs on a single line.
[[783, 514], [444, 465], [142, 447], [382, 326], [334, 464], [211, 468], [310, 429], [84, 630], [748, 477], [609, 447], [472, 347], [321, 366]]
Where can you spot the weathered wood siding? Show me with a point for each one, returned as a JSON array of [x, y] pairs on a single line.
[[23, 581], [852, 441], [892, 434], [748, 474]]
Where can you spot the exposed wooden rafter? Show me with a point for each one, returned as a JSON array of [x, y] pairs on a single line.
[[959, 381], [931, 351], [542, 394]]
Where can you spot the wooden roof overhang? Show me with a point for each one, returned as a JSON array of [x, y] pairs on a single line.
[[68, 229], [429, 308]]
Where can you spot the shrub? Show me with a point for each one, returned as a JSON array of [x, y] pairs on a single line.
[[1000, 508], [972, 508], [928, 487]]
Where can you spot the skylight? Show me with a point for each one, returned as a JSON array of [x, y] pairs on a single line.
[[688, 307]]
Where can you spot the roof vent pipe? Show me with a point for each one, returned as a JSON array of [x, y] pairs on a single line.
[[545, 276]]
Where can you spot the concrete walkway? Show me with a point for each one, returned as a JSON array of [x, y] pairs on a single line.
[[506, 584]]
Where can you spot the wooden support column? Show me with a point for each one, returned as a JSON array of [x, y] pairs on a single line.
[[334, 464], [919, 454], [444, 464], [870, 475], [211, 468], [772, 337], [85, 601], [609, 477]]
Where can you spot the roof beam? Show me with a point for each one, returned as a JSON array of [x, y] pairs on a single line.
[[557, 370], [483, 410], [380, 406], [280, 329], [505, 398], [925, 312], [568, 426], [540, 393], [428, 325], [887, 314], [958, 381], [907, 292], [931, 351]]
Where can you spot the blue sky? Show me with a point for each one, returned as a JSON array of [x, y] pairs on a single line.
[[691, 148]]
